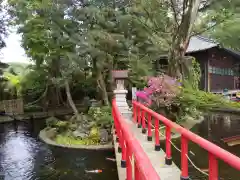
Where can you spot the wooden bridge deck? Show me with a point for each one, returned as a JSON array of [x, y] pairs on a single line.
[[157, 158]]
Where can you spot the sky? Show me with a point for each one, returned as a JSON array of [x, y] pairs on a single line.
[[13, 52]]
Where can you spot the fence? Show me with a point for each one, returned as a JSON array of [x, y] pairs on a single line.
[[132, 151], [139, 113], [14, 106]]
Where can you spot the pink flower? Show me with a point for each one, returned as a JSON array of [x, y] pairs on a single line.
[[162, 88]]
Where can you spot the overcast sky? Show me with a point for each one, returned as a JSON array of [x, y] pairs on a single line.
[[13, 52]]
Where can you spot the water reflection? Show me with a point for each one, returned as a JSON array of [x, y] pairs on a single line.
[[214, 128], [16, 153], [24, 157]]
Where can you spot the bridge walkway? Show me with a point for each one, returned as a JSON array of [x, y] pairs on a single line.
[[141, 158], [157, 158]]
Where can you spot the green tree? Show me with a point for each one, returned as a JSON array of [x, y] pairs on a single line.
[[14, 75], [172, 23], [109, 38], [227, 32], [46, 46], [3, 22]]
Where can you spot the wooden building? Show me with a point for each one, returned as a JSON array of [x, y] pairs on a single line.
[[220, 66]]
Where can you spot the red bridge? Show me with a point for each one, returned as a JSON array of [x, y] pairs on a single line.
[[141, 159]]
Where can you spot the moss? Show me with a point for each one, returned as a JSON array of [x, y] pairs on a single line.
[[69, 140]]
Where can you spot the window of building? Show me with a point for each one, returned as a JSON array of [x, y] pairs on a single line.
[[210, 69], [222, 71], [214, 71], [225, 71], [218, 71], [228, 71]]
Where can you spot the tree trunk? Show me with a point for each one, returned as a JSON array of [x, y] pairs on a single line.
[[70, 100], [176, 56], [54, 72], [102, 86], [181, 38]]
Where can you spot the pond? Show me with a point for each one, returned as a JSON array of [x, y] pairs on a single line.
[[214, 128], [24, 157]]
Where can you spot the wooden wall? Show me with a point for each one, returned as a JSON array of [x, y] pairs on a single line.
[[220, 59], [224, 61]]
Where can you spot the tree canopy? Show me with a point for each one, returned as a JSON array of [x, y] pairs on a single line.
[[3, 22], [74, 39]]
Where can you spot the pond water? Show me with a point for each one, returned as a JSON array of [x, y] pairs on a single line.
[[214, 128], [24, 157]]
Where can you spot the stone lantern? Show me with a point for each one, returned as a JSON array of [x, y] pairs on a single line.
[[119, 77]]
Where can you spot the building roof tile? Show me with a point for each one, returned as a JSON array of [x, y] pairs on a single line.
[[199, 43]]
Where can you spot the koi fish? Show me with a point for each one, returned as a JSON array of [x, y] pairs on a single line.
[[93, 171], [111, 159]]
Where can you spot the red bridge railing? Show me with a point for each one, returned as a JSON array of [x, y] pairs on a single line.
[[139, 115], [132, 151]]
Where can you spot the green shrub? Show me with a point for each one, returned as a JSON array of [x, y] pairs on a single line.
[[62, 126], [102, 116], [94, 135], [191, 102]]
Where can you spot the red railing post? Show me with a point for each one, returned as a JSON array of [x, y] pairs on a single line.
[[129, 163], [144, 130], [139, 117], [215, 152], [120, 140], [136, 171], [116, 125], [184, 158], [168, 159], [149, 137], [143, 169], [134, 112], [157, 140], [213, 167], [123, 161]]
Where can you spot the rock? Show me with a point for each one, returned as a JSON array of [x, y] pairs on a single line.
[[73, 127], [68, 117], [51, 133], [91, 124], [103, 135], [79, 134], [87, 101], [51, 121], [94, 103]]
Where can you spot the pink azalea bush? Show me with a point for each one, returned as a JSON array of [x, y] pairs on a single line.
[[143, 97], [161, 90]]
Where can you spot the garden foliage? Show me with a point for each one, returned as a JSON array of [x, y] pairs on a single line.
[[177, 100]]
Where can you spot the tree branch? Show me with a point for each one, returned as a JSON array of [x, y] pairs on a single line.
[[173, 6], [211, 27]]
